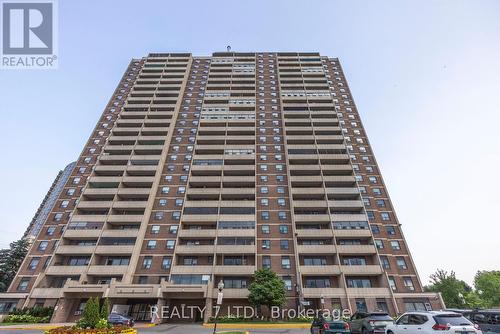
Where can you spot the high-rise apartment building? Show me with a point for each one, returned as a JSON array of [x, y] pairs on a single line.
[[205, 169], [48, 202]]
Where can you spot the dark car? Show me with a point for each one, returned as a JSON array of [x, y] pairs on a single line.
[[487, 320], [118, 319], [328, 325], [369, 322]]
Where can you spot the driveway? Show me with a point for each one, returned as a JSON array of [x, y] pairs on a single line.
[[198, 329]]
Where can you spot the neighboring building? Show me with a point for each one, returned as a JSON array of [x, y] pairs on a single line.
[[204, 169], [48, 202]]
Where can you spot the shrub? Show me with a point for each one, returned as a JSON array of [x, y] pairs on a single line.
[[91, 315], [26, 318], [75, 330]]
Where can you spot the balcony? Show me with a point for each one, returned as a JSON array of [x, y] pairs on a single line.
[[356, 249], [325, 292], [127, 233], [74, 250], [197, 233], [107, 270], [232, 293], [82, 234], [312, 218], [234, 270], [316, 249], [114, 249], [361, 270], [66, 270], [180, 269], [368, 292], [312, 233], [236, 249], [236, 232], [46, 293], [320, 270], [352, 233], [194, 249]]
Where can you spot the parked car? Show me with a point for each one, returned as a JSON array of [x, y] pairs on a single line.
[[119, 319], [432, 322], [370, 322], [487, 320], [328, 325]]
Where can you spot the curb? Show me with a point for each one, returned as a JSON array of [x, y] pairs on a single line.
[[257, 326]]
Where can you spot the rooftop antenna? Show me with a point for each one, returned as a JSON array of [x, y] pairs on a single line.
[[229, 48]]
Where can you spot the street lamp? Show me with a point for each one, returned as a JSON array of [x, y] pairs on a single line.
[[220, 295]]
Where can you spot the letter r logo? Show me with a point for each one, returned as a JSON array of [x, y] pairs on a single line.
[[27, 28]]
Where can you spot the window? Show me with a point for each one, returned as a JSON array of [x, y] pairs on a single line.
[[147, 262], [379, 244], [408, 282], [359, 283], [370, 214], [151, 244], [377, 191], [361, 305], [392, 283], [265, 229], [266, 244], [162, 202], [165, 190], [158, 215], [283, 229], [170, 244], [288, 283], [385, 262], [285, 262], [380, 203], [395, 245], [282, 215], [281, 202], [264, 215], [281, 190], [266, 262], [372, 179], [375, 229], [385, 216], [284, 244], [173, 229], [23, 284], [390, 230], [51, 230], [70, 191], [33, 263], [382, 305], [264, 190], [179, 201], [280, 178], [176, 215], [401, 263], [264, 201], [64, 204], [43, 245], [166, 263], [155, 229], [142, 280], [181, 190]]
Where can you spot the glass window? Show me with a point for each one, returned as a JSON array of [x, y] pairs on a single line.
[[170, 244], [284, 244], [283, 229], [266, 262], [43, 245], [285, 262], [151, 244], [155, 229], [395, 245], [265, 229], [266, 244], [147, 262]]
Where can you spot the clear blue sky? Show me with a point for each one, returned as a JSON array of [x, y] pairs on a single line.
[[425, 76]]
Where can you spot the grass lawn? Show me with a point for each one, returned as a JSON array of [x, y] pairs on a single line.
[[13, 323]]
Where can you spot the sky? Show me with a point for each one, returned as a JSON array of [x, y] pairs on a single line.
[[425, 76]]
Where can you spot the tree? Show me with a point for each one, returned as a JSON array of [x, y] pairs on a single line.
[[90, 316], [267, 289], [10, 261], [105, 309], [487, 285], [453, 290]]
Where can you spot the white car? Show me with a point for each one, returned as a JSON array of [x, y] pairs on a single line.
[[432, 322]]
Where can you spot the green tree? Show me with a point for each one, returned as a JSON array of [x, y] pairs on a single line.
[[10, 261], [453, 290], [90, 316], [105, 309], [267, 289], [487, 285]]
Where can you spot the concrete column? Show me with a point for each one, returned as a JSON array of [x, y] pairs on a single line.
[[62, 310], [208, 309], [160, 304]]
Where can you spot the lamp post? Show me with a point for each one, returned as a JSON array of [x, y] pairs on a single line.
[[220, 295]]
